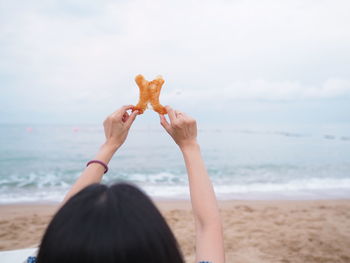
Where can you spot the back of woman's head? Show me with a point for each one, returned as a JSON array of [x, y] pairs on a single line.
[[116, 224]]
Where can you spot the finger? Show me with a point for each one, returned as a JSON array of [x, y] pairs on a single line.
[[131, 118], [126, 107], [123, 109], [164, 122], [171, 113], [178, 114], [185, 115], [125, 117], [120, 112]]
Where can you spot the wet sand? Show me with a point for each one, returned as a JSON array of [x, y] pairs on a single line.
[[254, 231]]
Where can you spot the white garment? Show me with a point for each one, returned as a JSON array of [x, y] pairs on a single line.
[[19, 255]]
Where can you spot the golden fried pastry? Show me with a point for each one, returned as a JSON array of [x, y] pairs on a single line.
[[149, 93]]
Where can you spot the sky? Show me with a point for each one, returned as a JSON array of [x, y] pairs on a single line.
[[223, 61]]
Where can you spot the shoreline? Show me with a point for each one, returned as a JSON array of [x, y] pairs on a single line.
[[254, 231], [331, 195], [186, 203], [184, 200]]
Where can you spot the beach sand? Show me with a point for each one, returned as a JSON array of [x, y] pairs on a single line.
[[255, 231]]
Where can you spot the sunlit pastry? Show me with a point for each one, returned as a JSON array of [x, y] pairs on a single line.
[[149, 94]]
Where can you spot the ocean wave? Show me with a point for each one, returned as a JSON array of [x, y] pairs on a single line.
[[313, 188]]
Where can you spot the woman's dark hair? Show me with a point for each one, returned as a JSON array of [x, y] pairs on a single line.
[[109, 224]]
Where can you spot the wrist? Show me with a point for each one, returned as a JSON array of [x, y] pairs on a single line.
[[107, 150], [110, 147], [189, 146]]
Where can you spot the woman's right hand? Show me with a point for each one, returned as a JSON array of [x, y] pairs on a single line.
[[209, 234], [182, 128]]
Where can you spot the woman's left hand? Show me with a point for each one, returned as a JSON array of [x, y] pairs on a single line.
[[117, 126]]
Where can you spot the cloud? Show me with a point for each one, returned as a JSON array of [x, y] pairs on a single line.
[[287, 90], [266, 90], [86, 53]]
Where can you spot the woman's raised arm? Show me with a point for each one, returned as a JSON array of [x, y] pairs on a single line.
[[116, 127], [209, 236]]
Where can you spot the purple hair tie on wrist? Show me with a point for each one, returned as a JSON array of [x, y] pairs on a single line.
[[100, 162]]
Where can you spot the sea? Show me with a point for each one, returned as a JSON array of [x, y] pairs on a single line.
[[39, 163]]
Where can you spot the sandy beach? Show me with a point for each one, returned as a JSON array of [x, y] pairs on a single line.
[[255, 231]]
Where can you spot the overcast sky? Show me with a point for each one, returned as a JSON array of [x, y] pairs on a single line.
[[223, 61]]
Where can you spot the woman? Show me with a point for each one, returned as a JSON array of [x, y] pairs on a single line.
[[119, 223]]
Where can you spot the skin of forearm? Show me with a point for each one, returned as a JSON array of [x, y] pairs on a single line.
[[94, 172], [204, 204]]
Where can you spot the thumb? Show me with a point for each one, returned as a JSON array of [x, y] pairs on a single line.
[[131, 118], [164, 122]]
